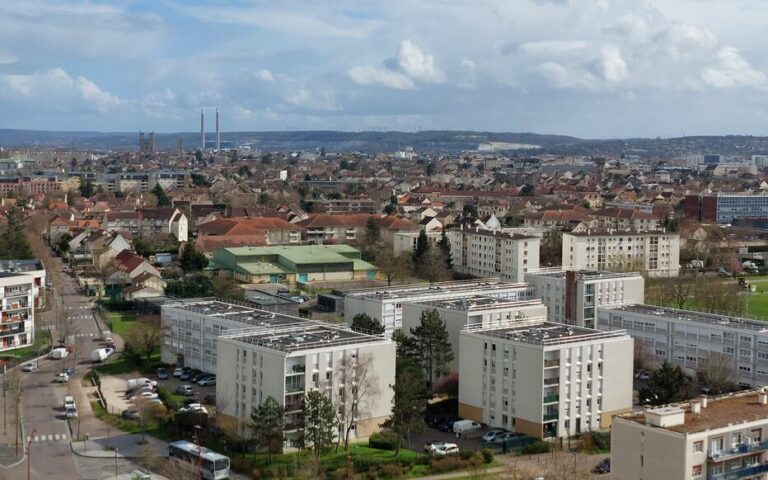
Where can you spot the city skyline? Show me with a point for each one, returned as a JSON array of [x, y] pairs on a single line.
[[611, 68]]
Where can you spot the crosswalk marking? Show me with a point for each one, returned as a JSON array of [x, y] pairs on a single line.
[[85, 335], [48, 437]]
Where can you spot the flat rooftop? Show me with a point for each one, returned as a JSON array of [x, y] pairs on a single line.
[[21, 266], [237, 312], [720, 412], [479, 302], [584, 274], [693, 316], [497, 234], [420, 289], [308, 336], [545, 333], [619, 233]]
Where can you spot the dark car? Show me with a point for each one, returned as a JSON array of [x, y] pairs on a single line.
[[162, 374], [446, 424], [131, 414], [186, 376], [201, 376], [69, 371], [185, 390], [603, 467]]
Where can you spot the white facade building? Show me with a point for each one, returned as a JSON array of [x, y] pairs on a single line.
[[17, 310], [288, 361], [721, 438], [546, 380], [694, 340], [573, 296], [473, 311], [385, 304], [493, 253]]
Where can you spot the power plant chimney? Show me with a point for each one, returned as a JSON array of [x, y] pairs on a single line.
[[218, 136], [202, 129]]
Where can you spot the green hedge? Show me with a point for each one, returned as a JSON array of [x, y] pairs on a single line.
[[535, 447], [383, 440]]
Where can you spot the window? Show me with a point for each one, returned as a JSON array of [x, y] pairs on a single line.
[[697, 471]]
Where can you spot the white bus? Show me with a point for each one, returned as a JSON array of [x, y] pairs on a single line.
[[211, 465]]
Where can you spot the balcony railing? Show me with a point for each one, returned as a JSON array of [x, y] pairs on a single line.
[[293, 388], [552, 381], [738, 450], [550, 416], [740, 473], [294, 369], [551, 398], [551, 363]]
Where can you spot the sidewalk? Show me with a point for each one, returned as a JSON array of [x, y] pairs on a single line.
[[120, 446]]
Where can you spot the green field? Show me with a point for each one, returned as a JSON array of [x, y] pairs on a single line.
[[120, 322]]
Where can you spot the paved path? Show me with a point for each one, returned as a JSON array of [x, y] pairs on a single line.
[[127, 446]]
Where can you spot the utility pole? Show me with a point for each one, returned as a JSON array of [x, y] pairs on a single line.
[[116, 461], [5, 387], [29, 454]]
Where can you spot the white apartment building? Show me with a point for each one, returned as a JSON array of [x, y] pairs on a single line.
[[694, 339], [474, 311], [34, 269], [543, 379], [191, 327], [493, 253], [385, 304], [721, 438], [573, 296], [655, 253], [286, 362], [17, 310]]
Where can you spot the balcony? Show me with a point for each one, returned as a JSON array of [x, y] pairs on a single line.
[[738, 450], [552, 363], [548, 417], [293, 387], [552, 381], [295, 369], [551, 398], [744, 472], [294, 406]]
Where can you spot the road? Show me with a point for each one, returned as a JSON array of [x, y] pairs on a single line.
[[51, 454]]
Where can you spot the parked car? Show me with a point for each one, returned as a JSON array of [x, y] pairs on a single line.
[[446, 449], [178, 371], [29, 367], [504, 437], [603, 467], [446, 424], [69, 402], [62, 377], [193, 408], [430, 446], [185, 390], [186, 376], [69, 371], [207, 381], [131, 414], [70, 412], [162, 374], [144, 395], [462, 426], [642, 375], [200, 376], [491, 435]]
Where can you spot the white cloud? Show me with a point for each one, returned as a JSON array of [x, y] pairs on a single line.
[[732, 70], [57, 84], [313, 100], [402, 71], [613, 66], [265, 75], [559, 76]]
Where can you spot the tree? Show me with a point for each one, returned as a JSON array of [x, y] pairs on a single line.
[[389, 209], [430, 170], [470, 211], [432, 266], [445, 248], [393, 266], [227, 288], [162, 197], [421, 247], [191, 260], [86, 188], [362, 322], [142, 247], [431, 345], [666, 384], [199, 156], [718, 372], [409, 401], [199, 180], [267, 427], [73, 163], [13, 240], [372, 235], [146, 335], [551, 251], [361, 386], [319, 421], [527, 190], [63, 244]]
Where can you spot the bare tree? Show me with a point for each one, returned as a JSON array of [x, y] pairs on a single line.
[[148, 456], [564, 467], [360, 388], [720, 297], [432, 266], [718, 372], [393, 266], [147, 335], [679, 290]]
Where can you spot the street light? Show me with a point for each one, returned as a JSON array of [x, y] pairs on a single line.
[[116, 450], [29, 454]]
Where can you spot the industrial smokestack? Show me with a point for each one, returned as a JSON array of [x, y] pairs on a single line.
[[218, 136], [202, 129]]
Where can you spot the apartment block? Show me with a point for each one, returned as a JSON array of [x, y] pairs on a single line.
[[694, 340], [655, 253], [34, 269], [573, 296], [386, 303], [721, 438], [474, 311], [493, 253], [546, 380], [17, 310], [286, 362], [724, 208]]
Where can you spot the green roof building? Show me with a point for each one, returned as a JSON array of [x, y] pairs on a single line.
[[292, 264]]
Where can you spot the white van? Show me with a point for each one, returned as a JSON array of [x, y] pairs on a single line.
[[462, 426], [139, 382], [59, 353]]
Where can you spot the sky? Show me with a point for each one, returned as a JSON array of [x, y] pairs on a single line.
[[588, 68]]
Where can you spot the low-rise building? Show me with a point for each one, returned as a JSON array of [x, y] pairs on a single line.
[[573, 296], [695, 341], [546, 380], [17, 310], [493, 253], [719, 438], [385, 304], [655, 253]]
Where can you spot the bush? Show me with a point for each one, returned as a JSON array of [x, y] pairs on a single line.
[[476, 460], [448, 464], [487, 455], [338, 474], [383, 440], [601, 440], [240, 464], [393, 470], [535, 448], [466, 454]]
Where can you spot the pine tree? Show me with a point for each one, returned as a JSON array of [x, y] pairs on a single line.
[[409, 401], [431, 346], [445, 247], [372, 231], [190, 260], [162, 197], [362, 322], [319, 421], [422, 245], [267, 427]]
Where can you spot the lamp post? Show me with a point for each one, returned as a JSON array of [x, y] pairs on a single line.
[[116, 450], [199, 450], [29, 454]]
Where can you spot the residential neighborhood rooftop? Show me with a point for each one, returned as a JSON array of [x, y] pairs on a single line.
[[541, 332], [693, 316], [307, 336]]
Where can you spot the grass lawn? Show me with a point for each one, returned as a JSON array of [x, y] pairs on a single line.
[[120, 322], [123, 364], [42, 342]]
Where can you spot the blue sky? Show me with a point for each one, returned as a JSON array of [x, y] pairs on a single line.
[[591, 68]]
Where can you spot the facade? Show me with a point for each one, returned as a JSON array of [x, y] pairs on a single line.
[[725, 208], [289, 361], [31, 268], [546, 380], [573, 296], [295, 263], [489, 253], [694, 340], [719, 438], [656, 253], [273, 230], [348, 228], [473, 311], [149, 222], [17, 310], [385, 304]]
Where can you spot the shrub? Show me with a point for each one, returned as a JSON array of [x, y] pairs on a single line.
[[338, 474], [466, 454], [476, 460], [601, 440], [448, 464], [241, 464], [393, 470], [535, 447], [487, 455], [383, 440]]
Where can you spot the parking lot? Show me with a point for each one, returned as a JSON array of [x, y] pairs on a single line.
[[172, 383]]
